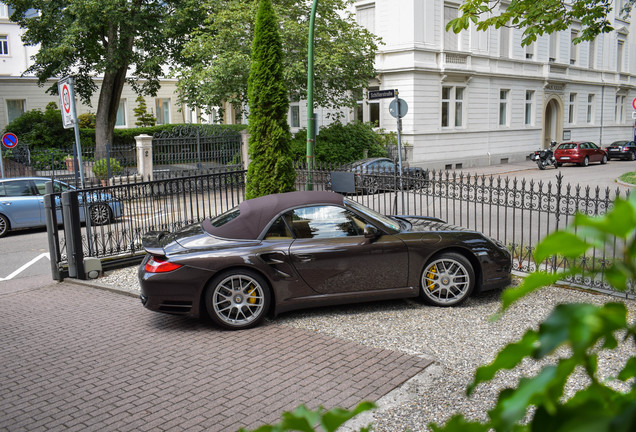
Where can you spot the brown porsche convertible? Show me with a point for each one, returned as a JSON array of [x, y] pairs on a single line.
[[302, 249]]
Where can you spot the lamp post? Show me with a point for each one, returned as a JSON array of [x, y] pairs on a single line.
[[311, 116]]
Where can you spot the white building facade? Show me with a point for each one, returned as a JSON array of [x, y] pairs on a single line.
[[479, 98], [475, 98]]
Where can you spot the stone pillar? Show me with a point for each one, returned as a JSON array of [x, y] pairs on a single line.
[[245, 137], [144, 156]]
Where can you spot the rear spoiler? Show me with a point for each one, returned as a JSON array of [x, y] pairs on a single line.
[[152, 242]]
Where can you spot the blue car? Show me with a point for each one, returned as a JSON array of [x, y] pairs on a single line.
[[22, 204]]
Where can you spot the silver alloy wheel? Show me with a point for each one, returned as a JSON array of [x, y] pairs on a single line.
[[238, 301], [586, 161], [100, 214], [4, 225], [447, 280], [371, 185], [604, 160]]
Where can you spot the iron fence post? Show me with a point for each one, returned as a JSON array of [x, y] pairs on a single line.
[[73, 234], [51, 229]]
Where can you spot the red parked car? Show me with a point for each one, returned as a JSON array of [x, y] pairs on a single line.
[[581, 152]]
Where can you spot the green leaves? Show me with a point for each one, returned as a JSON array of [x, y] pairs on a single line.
[[305, 420]]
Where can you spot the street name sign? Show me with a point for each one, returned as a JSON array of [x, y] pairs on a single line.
[[380, 94]]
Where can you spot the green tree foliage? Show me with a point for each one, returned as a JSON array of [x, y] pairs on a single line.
[[304, 420], [219, 53], [271, 169], [106, 38], [341, 143], [582, 328], [538, 17], [144, 118], [42, 129]]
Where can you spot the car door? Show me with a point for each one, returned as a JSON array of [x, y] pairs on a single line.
[[332, 255], [21, 204], [596, 154]]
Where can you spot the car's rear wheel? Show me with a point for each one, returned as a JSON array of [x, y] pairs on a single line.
[[604, 160], [371, 185], [237, 299], [585, 162], [447, 280], [4, 225], [100, 214]]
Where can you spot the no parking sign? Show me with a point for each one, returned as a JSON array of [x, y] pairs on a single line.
[[9, 140]]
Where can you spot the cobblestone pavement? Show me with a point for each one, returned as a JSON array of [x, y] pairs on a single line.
[[77, 358]]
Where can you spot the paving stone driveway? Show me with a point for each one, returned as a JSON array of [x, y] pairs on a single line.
[[76, 358]]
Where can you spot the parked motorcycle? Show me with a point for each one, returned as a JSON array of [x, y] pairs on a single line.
[[545, 157]]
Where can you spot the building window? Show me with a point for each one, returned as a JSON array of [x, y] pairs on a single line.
[[294, 115], [552, 56], [618, 109], [451, 39], [452, 106], [572, 109], [619, 56], [529, 118], [374, 109], [503, 107], [530, 51], [4, 13], [574, 49], [592, 54], [162, 107], [504, 41], [590, 110], [121, 114], [4, 45], [15, 108], [365, 16]]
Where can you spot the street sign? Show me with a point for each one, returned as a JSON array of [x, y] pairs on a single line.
[[67, 99], [393, 108], [634, 115], [9, 140], [634, 103], [380, 94]]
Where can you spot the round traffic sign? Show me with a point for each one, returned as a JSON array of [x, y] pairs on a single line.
[[634, 103], [66, 98], [9, 140], [393, 108]]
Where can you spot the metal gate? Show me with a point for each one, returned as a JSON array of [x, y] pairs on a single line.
[[196, 148]]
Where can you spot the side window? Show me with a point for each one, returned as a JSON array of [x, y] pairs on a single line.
[[18, 188], [325, 222], [2, 192], [60, 187], [279, 230], [41, 186]]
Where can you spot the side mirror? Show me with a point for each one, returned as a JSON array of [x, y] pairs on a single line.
[[371, 232]]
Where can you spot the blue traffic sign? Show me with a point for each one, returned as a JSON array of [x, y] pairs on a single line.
[[9, 140]]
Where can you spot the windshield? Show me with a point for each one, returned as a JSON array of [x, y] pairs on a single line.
[[391, 224]]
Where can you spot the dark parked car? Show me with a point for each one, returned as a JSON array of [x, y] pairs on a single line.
[[300, 249], [622, 150], [22, 204], [579, 152], [379, 174]]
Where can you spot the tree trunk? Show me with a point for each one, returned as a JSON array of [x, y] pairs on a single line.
[[106, 117]]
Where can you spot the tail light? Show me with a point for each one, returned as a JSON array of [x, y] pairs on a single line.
[[160, 265]]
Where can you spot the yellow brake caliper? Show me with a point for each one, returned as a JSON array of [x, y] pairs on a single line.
[[252, 294], [431, 277]]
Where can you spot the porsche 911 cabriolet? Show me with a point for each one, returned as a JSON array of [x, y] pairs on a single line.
[[296, 250]]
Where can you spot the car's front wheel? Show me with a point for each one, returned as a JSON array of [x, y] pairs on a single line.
[[4, 225], [100, 214], [632, 156], [447, 280], [237, 299], [604, 160]]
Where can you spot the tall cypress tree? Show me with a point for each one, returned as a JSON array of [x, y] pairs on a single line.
[[271, 168]]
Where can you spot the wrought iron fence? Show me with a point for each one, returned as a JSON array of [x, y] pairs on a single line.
[[518, 213], [196, 147]]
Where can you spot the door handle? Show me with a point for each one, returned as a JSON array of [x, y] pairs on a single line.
[[305, 258]]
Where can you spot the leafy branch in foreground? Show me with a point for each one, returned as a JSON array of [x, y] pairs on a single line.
[[304, 420], [583, 328]]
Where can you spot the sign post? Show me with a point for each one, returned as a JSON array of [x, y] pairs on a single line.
[[9, 140], [69, 120]]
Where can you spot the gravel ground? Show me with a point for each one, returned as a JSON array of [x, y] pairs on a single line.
[[458, 340]]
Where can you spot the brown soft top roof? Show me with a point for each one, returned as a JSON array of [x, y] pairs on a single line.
[[257, 213]]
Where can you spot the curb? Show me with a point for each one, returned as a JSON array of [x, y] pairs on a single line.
[[103, 287]]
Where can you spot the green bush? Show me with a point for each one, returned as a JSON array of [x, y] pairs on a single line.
[[42, 129], [100, 168], [86, 120], [340, 144]]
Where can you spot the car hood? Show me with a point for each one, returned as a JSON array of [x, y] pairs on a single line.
[[428, 224]]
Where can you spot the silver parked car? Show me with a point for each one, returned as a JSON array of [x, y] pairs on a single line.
[[22, 204]]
